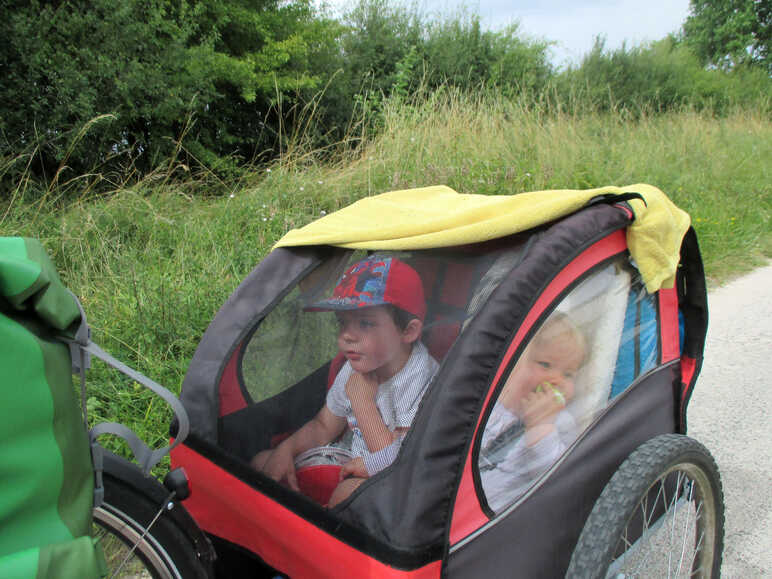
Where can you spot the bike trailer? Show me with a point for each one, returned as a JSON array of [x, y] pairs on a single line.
[[621, 263]]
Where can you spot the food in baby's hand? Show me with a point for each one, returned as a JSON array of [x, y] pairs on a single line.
[[559, 397]]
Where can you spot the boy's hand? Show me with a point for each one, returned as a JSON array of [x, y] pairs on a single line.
[[355, 467], [258, 461], [279, 465], [361, 387]]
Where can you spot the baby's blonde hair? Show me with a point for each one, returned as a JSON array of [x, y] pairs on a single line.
[[560, 326]]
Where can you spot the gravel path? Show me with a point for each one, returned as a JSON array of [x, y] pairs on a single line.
[[730, 413]]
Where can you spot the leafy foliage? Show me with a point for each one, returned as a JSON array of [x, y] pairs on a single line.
[[209, 73], [729, 33], [661, 76], [391, 50], [459, 53], [377, 37], [97, 95]]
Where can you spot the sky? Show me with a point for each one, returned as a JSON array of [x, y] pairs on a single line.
[[573, 24]]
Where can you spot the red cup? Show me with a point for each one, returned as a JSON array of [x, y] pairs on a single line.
[[317, 482]]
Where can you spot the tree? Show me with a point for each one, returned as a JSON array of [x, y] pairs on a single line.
[[730, 33], [214, 71], [378, 35]]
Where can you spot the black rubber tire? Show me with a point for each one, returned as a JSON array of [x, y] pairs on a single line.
[[642, 485], [165, 552]]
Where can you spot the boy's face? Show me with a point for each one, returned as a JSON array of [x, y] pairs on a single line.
[[372, 342], [555, 362]]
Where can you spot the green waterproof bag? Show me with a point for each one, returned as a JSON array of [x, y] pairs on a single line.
[[46, 475]]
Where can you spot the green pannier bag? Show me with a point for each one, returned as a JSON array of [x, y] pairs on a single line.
[[46, 474]]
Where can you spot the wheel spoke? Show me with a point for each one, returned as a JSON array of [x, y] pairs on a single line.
[[141, 538], [671, 524]]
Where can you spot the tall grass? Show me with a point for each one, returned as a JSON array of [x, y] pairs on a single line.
[[153, 262], [716, 168]]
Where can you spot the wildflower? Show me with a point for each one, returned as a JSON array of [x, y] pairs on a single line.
[[320, 182], [265, 219], [302, 188], [264, 205], [322, 213], [267, 170], [231, 195]]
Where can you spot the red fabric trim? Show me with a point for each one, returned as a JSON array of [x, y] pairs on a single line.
[[458, 281], [688, 367], [226, 507], [668, 315], [630, 214], [427, 270], [440, 338], [335, 366], [231, 396], [468, 515]]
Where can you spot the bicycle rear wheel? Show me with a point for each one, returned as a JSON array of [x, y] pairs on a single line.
[[131, 550], [660, 515]]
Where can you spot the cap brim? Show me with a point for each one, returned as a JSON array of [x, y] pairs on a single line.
[[335, 305]]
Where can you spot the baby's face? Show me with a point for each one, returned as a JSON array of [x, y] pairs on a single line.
[[551, 364], [555, 363]]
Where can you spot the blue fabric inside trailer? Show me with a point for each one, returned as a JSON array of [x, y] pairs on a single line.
[[639, 348]]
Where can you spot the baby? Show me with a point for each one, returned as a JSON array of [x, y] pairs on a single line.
[[379, 303], [528, 428]]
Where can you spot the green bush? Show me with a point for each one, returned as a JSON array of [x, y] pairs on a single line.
[[97, 97], [459, 53], [658, 77], [157, 74]]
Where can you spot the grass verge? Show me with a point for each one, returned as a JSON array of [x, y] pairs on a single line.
[[152, 262]]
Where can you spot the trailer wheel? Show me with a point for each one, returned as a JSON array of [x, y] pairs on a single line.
[[660, 515], [131, 550]]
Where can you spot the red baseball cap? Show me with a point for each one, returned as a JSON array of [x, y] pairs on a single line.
[[377, 281]]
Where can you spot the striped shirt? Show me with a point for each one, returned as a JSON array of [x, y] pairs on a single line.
[[397, 400]]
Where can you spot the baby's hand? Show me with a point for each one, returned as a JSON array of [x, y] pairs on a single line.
[[361, 386], [541, 407], [355, 467]]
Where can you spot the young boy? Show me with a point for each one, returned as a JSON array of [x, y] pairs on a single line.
[[379, 303], [528, 428]]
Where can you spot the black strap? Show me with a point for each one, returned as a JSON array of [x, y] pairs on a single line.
[[492, 452], [611, 198]]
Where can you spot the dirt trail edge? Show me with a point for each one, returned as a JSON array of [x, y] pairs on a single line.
[[730, 414]]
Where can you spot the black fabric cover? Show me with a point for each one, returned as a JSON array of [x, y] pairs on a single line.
[[693, 303], [409, 505], [256, 295], [538, 537], [248, 431]]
